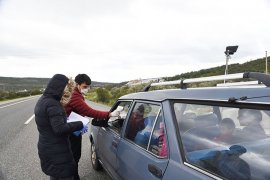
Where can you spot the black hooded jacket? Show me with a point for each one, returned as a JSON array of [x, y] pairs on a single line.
[[53, 145]]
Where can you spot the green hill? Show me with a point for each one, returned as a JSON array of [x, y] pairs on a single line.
[[257, 65], [22, 84], [109, 95]]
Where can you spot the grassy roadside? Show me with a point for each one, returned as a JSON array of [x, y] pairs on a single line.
[[16, 99], [109, 95]]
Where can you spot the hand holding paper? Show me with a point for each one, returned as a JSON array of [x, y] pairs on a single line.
[[73, 117], [116, 112], [85, 129]]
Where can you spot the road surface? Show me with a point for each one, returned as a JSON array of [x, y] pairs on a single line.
[[18, 143]]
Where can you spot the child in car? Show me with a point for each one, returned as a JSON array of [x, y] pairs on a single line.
[[226, 130]]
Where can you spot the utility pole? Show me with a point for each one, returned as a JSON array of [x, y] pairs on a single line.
[[227, 60], [266, 63], [230, 50]]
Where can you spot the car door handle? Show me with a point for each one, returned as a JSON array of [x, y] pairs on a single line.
[[155, 170], [114, 144]]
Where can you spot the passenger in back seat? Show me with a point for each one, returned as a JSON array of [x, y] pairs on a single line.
[[226, 129], [136, 123], [253, 130], [227, 163]]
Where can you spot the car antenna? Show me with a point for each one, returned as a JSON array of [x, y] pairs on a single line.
[[243, 98]]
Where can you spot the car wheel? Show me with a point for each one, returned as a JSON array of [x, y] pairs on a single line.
[[94, 160]]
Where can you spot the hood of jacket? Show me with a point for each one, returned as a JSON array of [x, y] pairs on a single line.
[[56, 86]]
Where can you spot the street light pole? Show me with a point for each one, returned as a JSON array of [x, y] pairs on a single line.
[[230, 50], [227, 61], [266, 63]]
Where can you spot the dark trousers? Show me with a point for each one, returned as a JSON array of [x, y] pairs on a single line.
[[54, 178], [76, 147]]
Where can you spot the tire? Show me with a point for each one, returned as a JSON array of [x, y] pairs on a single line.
[[94, 160]]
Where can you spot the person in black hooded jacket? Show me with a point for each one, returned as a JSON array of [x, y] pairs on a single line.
[[53, 145]]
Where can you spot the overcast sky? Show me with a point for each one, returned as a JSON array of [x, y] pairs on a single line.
[[120, 40]]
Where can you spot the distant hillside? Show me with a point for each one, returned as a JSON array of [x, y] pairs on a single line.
[[251, 66], [20, 84]]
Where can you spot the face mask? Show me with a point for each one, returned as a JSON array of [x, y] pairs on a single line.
[[84, 91]]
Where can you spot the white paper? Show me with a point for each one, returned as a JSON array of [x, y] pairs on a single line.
[[73, 117], [120, 108], [122, 114]]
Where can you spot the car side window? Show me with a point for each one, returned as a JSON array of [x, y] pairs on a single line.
[[116, 123], [158, 143], [233, 147], [141, 122]]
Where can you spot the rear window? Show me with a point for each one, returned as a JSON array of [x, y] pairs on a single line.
[[229, 142]]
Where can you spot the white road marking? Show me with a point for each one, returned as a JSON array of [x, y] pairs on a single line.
[[30, 119], [15, 103]]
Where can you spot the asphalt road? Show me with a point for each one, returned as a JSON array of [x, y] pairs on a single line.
[[18, 143]]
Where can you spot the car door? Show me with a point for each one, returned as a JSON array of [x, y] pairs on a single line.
[[108, 139], [142, 152]]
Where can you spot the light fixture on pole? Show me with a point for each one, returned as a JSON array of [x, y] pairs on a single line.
[[230, 50]]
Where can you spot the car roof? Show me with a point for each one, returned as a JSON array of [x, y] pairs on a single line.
[[257, 94]]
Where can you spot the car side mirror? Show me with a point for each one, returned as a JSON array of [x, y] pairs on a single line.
[[99, 122]]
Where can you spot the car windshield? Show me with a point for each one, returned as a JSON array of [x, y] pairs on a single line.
[[232, 143]]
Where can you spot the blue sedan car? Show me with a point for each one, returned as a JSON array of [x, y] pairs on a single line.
[[188, 133]]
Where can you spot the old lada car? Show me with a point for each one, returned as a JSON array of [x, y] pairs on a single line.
[[219, 132]]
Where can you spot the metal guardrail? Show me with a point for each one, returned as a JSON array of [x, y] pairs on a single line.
[[261, 77]]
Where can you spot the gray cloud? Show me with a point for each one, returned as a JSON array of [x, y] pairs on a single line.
[[137, 38]]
